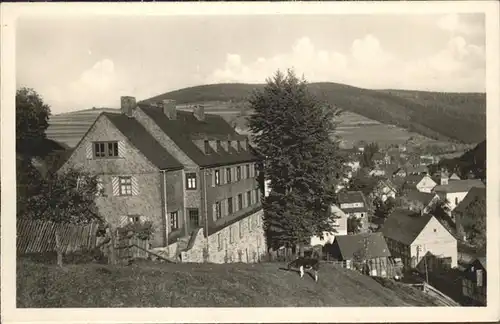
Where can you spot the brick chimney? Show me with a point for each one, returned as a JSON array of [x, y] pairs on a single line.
[[128, 105], [199, 112], [170, 108]]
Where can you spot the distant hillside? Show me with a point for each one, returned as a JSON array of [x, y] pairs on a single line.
[[204, 285], [441, 116]]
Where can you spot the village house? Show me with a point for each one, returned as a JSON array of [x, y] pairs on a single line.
[[426, 160], [380, 158], [455, 191], [377, 171], [189, 173], [474, 282], [422, 183], [353, 204], [339, 224], [420, 201], [416, 169], [411, 235], [460, 211], [366, 250], [400, 173], [384, 189]]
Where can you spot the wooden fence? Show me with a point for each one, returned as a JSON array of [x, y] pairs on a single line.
[[36, 236]]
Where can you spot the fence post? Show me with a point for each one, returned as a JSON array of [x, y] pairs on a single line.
[[58, 247]]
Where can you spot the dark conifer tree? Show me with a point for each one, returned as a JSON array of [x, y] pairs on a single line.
[[296, 135]]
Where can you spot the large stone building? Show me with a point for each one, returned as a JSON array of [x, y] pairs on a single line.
[[189, 173]]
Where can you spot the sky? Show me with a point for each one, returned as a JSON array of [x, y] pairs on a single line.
[[86, 62]]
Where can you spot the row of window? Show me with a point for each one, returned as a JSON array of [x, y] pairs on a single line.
[[122, 186], [223, 176], [252, 223], [228, 206], [233, 174]]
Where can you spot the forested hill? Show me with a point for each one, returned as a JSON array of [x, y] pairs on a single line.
[[457, 116]]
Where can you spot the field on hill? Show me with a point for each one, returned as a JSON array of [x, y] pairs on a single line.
[[149, 284], [441, 116], [69, 128]]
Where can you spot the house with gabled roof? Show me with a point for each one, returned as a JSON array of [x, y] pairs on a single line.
[[421, 199], [455, 191], [474, 282], [460, 211], [189, 173], [368, 249], [422, 183], [354, 204], [410, 236], [384, 189], [338, 221]]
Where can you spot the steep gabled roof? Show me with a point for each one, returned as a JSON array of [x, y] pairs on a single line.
[[423, 197], [186, 127], [350, 245], [404, 226], [473, 193], [459, 186], [144, 141]]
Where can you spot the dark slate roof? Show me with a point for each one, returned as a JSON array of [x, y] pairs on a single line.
[[186, 128], [349, 245], [350, 197], [423, 197], [404, 226], [144, 141], [460, 185], [471, 195]]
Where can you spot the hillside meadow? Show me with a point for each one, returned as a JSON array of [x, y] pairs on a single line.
[[149, 284]]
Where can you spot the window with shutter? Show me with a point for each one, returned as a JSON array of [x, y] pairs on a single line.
[[240, 201], [247, 173], [231, 234], [124, 220], [89, 152], [191, 181], [219, 241], [249, 198], [218, 211], [99, 187], [125, 186], [217, 177], [230, 205], [174, 221], [240, 228], [135, 186], [238, 173], [228, 175]]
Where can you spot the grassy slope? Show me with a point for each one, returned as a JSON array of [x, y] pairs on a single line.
[[201, 285], [437, 115]]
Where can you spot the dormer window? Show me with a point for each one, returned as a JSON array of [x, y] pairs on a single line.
[[219, 145], [207, 147], [229, 146]]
